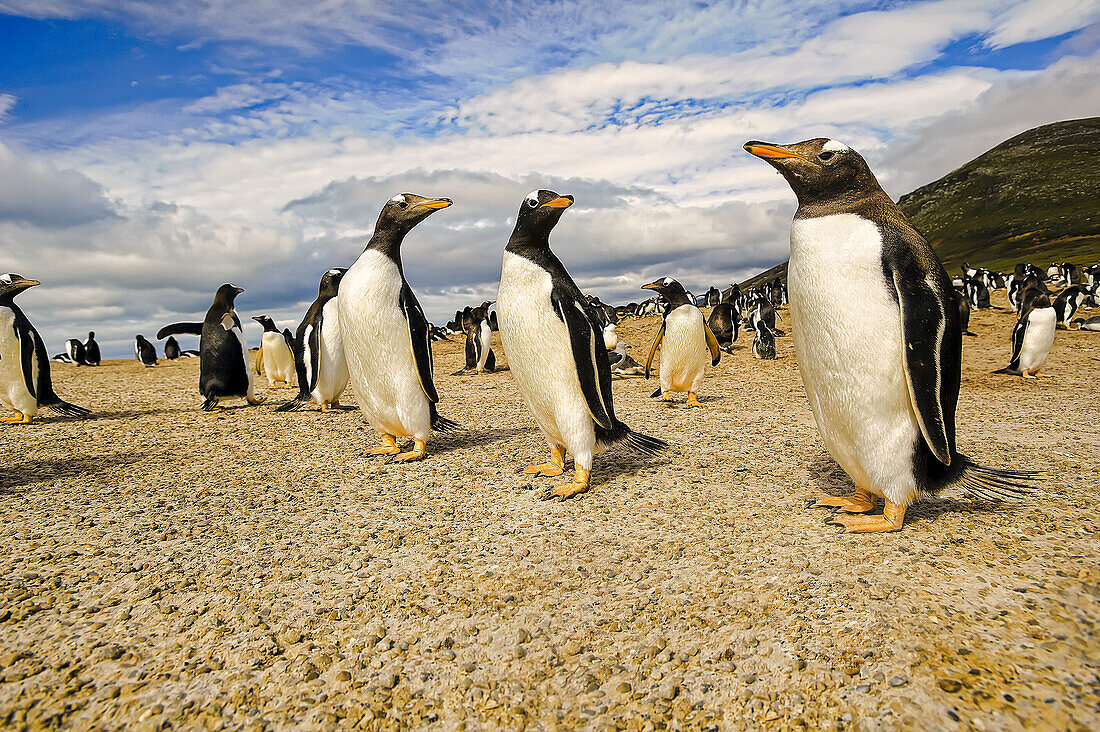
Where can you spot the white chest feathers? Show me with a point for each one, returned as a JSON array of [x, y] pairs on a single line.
[[684, 352]]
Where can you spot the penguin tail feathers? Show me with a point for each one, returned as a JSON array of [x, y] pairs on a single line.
[[442, 424], [645, 444], [655, 394], [210, 404], [994, 484], [291, 406], [68, 410]]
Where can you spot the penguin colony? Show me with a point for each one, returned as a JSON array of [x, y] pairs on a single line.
[[876, 321]]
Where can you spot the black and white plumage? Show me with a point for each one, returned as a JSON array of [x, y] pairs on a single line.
[[275, 356], [725, 323], [319, 349], [763, 343], [964, 313], [144, 351], [172, 349], [553, 339], [479, 352], [225, 369], [385, 334], [1068, 302], [684, 340], [1033, 335], [877, 338], [75, 350], [91, 350], [25, 384]]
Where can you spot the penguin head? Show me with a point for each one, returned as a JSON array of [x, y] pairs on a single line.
[[266, 322], [405, 210], [669, 289], [330, 282], [818, 169], [91, 334], [538, 214], [11, 284], [227, 293]]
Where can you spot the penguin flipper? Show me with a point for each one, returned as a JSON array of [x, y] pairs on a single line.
[[421, 342], [27, 347], [593, 371], [180, 329], [712, 344], [1017, 344], [260, 359], [933, 356], [653, 350], [491, 361]]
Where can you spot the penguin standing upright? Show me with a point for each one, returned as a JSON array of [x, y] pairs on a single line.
[[224, 366], [479, 353], [144, 351], [964, 313], [171, 349], [319, 349], [274, 355], [877, 338], [76, 351], [1033, 335], [1068, 302], [386, 337], [725, 324], [91, 350], [25, 384], [553, 341], [686, 340], [763, 344]]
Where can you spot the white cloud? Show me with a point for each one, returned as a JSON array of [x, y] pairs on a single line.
[[1039, 19]]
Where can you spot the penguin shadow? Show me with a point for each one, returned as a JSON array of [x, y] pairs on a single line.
[[13, 476], [127, 414], [832, 480], [467, 438]]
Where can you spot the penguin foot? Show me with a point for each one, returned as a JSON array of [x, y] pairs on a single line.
[[389, 446], [693, 401], [860, 502], [417, 453], [19, 418], [1027, 375], [666, 396], [891, 519], [256, 400], [568, 490], [336, 407], [556, 466], [1038, 373]]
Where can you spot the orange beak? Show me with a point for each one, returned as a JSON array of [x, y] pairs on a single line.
[[763, 150], [437, 203], [562, 202], [31, 283]]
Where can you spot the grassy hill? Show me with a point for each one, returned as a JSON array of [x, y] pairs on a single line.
[[1032, 198]]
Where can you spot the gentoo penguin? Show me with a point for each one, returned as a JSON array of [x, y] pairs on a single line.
[[877, 338], [25, 383], [964, 313], [1068, 302], [171, 349], [1092, 323], [977, 293], [725, 325], [75, 351], [610, 336], [760, 311], [1033, 336], [1091, 277], [144, 351], [275, 355], [552, 337], [684, 340], [385, 334], [224, 366], [319, 350], [763, 345], [622, 365], [479, 352], [91, 350]]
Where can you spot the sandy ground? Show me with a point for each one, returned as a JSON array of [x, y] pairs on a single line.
[[163, 567]]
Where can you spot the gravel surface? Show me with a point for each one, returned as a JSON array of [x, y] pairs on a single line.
[[163, 567]]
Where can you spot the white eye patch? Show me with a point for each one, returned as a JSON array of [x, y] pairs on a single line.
[[668, 281], [399, 198], [532, 199], [333, 272], [834, 146], [5, 278]]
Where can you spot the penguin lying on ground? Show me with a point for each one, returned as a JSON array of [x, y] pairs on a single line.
[[1033, 336], [144, 351], [274, 356], [877, 339], [725, 324], [622, 365], [76, 351], [763, 344], [385, 334], [91, 350], [686, 340], [319, 349], [552, 337], [1092, 323], [25, 384], [225, 370]]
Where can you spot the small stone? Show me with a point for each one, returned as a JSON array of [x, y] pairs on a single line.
[[343, 676], [748, 678], [668, 691], [623, 687], [291, 637], [896, 681], [798, 664], [387, 680], [852, 669], [949, 685]]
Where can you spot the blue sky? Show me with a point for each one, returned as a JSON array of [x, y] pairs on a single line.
[[151, 151]]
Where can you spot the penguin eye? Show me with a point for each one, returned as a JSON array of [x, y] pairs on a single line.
[[532, 202], [402, 204], [825, 156]]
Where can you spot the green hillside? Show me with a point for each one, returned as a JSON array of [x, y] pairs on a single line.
[[1035, 197]]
